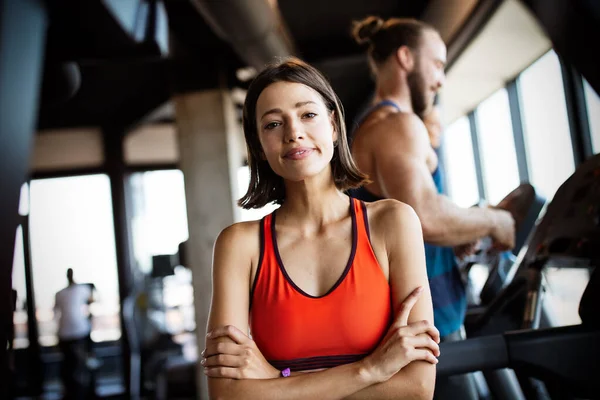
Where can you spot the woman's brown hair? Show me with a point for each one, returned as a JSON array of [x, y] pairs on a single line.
[[266, 186]]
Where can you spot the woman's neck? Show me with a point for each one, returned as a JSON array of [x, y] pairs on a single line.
[[312, 203]]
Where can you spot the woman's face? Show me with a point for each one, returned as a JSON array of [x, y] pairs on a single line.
[[295, 130]]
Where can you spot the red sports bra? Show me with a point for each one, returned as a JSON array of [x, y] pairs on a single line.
[[302, 332]]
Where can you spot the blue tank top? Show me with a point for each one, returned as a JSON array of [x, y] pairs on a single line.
[[447, 288]]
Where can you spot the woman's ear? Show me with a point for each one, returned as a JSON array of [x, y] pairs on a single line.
[[334, 124]]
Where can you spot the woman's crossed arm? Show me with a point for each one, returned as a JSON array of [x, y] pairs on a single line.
[[402, 366]]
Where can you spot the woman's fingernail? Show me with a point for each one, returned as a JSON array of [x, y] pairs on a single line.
[[203, 361], [208, 334]]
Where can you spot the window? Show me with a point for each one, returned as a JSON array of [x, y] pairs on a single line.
[[460, 163], [21, 339], [71, 225], [159, 222], [564, 288], [497, 146], [24, 200], [593, 108], [546, 126], [159, 226]]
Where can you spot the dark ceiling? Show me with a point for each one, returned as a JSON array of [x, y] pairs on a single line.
[[321, 29], [124, 74]]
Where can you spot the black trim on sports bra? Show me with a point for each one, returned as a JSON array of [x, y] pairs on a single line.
[[260, 259], [348, 265]]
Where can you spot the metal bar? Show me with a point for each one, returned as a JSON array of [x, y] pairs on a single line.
[[579, 126], [514, 102], [115, 167], [477, 155], [479, 354], [35, 376]]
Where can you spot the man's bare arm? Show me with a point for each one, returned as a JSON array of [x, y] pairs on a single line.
[[403, 175]]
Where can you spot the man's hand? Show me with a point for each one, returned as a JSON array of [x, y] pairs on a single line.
[[503, 231], [465, 250]]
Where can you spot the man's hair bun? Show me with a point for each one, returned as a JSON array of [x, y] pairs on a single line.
[[363, 31]]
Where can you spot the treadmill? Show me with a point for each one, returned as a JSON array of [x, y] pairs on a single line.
[[550, 362]]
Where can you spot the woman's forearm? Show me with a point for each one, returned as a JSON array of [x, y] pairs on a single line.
[[331, 384], [415, 381]]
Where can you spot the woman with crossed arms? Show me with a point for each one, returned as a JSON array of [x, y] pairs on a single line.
[[326, 284]]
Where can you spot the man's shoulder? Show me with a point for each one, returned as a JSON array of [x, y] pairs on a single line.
[[74, 289], [394, 126], [85, 288], [404, 124], [58, 297]]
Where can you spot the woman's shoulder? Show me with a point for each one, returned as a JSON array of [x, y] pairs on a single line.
[[240, 232], [391, 215], [237, 246]]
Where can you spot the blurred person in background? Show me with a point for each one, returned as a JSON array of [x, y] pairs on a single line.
[[74, 327]]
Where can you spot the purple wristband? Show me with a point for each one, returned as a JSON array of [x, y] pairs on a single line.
[[285, 372]]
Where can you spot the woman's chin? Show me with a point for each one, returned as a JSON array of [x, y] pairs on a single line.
[[301, 176]]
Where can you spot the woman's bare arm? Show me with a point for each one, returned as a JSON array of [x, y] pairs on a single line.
[[230, 304], [231, 275], [405, 250]]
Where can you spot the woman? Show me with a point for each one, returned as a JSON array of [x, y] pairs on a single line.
[[318, 274]]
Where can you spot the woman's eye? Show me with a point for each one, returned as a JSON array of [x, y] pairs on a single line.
[[272, 125], [309, 115]]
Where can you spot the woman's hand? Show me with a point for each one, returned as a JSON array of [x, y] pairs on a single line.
[[239, 360], [403, 344]]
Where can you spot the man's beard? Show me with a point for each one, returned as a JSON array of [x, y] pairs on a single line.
[[418, 91]]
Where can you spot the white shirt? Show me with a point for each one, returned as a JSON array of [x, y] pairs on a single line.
[[72, 303]]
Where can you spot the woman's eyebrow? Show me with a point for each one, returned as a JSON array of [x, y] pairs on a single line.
[[278, 110]]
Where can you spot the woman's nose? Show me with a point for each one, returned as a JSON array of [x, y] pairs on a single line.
[[293, 130]]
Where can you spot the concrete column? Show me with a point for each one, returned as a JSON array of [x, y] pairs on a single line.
[[209, 158]]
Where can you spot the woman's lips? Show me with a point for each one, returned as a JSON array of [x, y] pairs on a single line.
[[298, 153]]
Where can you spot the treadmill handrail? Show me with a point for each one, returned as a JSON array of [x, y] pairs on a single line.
[[565, 354], [483, 353]]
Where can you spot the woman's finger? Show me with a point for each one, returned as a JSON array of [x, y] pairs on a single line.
[[222, 372], [229, 331], [224, 360], [214, 348], [423, 355], [424, 342], [407, 305], [417, 328]]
